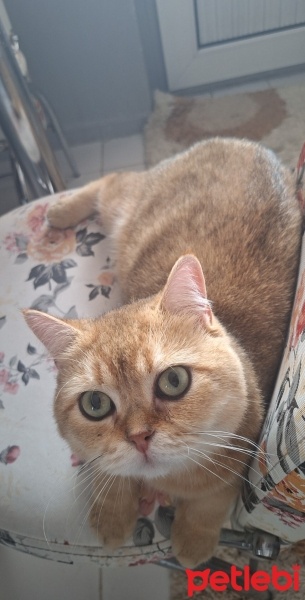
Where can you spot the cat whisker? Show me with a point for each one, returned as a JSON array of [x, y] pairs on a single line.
[[256, 446], [250, 453], [113, 478], [88, 463], [226, 444], [110, 480], [226, 434], [51, 499], [235, 436], [231, 435], [208, 470], [122, 490], [44, 519], [117, 496], [89, 477], [227, 447], [88, 501], [215, 462], [245, 464], [60, 390]]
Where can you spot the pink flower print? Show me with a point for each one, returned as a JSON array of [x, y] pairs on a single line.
[[106, 278], [10, 242], [3, 376], [11, 387], [51, 244], [36, 217], [16, 242], [9, 455]]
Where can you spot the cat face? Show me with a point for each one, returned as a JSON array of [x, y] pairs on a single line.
[[137, 395], [146, 387]]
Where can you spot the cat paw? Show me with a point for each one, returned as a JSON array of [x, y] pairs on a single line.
[[113, 532], [66, 212], [192, 549], [114, 522], [112, 540]]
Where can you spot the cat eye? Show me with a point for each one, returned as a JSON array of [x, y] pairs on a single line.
[[95, 405], [173, 383]]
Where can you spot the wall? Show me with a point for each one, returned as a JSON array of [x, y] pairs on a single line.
[[92, 61]]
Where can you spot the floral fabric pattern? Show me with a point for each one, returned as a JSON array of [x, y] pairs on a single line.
[[43, 498], [274, 497]]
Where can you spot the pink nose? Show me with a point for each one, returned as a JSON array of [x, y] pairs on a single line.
[[141, 440]]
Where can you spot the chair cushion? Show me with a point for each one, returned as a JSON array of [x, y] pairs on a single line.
[[43, 498]]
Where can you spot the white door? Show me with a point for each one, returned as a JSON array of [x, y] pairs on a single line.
[[206, 41]]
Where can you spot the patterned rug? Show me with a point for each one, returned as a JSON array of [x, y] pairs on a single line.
[[274, 117]]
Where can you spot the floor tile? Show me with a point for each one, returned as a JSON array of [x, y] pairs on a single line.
[[140, 167], [136, 583], [25, 577], [123, 152], [76, 182], [63, 165], [88, 157]]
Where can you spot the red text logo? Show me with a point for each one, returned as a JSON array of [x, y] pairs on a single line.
[[243, 580]]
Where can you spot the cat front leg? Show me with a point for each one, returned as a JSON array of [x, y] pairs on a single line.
[[75, 207], [112, 196], [196, 529], [114, 509]]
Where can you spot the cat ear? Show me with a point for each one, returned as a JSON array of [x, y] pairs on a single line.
[[185, 290], [55, 334]]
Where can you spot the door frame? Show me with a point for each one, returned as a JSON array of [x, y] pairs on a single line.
[[189, 66]]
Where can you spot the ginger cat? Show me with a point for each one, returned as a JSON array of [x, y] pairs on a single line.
[[167, 393]]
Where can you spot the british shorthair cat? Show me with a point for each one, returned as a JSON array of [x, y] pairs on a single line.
[[167, 393]]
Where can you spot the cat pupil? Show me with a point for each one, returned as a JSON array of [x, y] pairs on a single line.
[[95, 401], [173, 379]]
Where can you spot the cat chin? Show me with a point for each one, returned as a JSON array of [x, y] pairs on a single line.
[[142, 468], [148, 472]]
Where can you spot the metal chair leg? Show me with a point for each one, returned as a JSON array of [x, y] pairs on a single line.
[[57, 129], [19, 180]]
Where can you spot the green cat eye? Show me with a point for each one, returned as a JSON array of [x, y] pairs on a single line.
[[173, 383], [95, 405]]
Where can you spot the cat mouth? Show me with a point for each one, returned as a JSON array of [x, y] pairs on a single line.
[[148, 460]]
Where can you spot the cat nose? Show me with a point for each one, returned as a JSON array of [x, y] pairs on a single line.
[[141, 440]]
